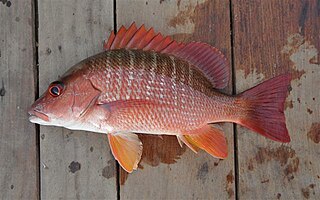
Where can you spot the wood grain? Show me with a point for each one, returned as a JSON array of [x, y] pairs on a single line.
[[271, 38], [168, 171], [74, 164], [18, 149]]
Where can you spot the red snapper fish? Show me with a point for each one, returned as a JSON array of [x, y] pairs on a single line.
[[147, 83]]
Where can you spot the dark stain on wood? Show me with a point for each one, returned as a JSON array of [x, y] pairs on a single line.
[[123, 176], [157, 150], [250, 165], [291, 168], [278, 196], [202, 172], [60, 48], [217, 163], [74, 166], [306, 191], [288, 104], [265, 181], [109, 170], [42, 136], [230, 177], [314, 133], [178, 3], [2, 90], [7, 3], [309, 111], [91, 149], [297, 74], [11, 187], [283, 154], [229, 184], [280, 154], [298, 99], [48, 51]]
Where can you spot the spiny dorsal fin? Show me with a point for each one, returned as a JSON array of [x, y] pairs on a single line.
[[208, 59]]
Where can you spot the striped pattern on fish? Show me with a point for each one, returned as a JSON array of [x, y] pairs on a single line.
[[182, 103]]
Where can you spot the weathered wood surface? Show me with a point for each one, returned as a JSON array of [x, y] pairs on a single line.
[[168, 171], [18, 150], [271, 38], [74, 164]]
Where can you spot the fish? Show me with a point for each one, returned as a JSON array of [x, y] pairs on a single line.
[[147, 83]]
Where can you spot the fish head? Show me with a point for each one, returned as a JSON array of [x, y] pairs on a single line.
[[65, 101]]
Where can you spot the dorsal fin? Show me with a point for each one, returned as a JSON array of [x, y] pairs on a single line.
[[208, 59]]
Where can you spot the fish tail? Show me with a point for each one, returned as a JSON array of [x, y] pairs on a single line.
[[264, 108]]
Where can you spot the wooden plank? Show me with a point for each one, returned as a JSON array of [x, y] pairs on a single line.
[[75, 164], [18, 149], [271, 38], [167, 171]]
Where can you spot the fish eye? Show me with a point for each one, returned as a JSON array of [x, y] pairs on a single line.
[[56, 88]]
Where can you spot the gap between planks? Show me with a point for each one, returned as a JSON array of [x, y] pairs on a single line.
[[234, 89]]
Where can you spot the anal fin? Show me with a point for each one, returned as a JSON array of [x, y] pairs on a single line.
[[209, 138], [127, 149]]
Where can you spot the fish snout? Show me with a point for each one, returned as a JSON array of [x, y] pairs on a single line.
[[35, 115]]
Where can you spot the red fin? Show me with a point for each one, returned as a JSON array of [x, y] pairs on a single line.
[[107, 44], [127, 149], [209, 138], [128, 35], [141, 32], [116, 42], [206, 58], [265, 108], [145, 39]]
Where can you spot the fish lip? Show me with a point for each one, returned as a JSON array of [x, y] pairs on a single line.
[[33, 114]]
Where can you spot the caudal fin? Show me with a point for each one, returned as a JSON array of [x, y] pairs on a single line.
[[264, 108]]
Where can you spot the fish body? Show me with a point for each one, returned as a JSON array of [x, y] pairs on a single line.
[[162, 94], [158, 86]]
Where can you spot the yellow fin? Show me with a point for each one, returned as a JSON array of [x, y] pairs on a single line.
[[127, 149], [181, 138], [209, 138]]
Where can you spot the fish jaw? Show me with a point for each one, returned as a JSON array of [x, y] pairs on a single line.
[[38, 117]]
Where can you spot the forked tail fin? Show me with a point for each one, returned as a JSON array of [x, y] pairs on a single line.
[[264, 108]]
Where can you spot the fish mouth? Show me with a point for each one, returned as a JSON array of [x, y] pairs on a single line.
[[36, 116]]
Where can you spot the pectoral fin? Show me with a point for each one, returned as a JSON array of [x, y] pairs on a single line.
[[209, 138], [127, 149]]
